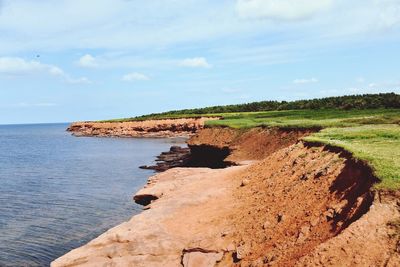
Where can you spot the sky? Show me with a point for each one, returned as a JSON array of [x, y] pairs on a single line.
[[73, 60]]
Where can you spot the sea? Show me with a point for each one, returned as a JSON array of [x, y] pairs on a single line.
[[57, 191]]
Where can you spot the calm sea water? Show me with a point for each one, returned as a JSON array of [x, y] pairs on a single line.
[[57, 192]]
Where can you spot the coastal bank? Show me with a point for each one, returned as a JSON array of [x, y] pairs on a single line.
[[147, 128], [257, 197]]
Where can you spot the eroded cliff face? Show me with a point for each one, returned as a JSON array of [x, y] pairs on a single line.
[[238, 146], [150, 128], [298, 205]]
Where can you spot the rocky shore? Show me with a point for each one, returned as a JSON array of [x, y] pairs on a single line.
[[149, 128], [176, 157], [289, 203]]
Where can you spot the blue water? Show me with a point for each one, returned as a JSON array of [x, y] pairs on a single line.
[[57, 192]]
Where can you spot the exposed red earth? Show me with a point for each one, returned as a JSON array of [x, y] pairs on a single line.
[[289, 204]]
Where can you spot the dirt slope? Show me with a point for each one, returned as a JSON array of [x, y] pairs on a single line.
[[297, 199]]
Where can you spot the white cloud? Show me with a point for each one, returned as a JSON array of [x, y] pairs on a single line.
[[87, 61], [135, 76], [305, 81], [196, 62], [281, 9], [20, 66]]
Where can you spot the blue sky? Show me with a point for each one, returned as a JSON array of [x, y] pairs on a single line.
[[71, 60]]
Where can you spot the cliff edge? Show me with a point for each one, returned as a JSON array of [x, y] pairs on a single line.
[[294, 204]]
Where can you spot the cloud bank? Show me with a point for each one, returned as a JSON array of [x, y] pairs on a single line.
[[19, 66]]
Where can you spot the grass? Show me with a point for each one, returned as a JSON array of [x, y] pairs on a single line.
[[379, 145], [308, 118]]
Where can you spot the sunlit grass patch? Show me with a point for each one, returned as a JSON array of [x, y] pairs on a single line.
[[308, 118]]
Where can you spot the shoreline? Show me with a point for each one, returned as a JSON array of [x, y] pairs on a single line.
[[279, 209]]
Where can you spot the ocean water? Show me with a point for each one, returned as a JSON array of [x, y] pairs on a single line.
[[57, 191]]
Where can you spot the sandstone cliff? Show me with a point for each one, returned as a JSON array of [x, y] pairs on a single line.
[[293, 204], [149, 128]]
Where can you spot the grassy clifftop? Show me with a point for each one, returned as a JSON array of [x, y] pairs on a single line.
[[378, 145], [370, 135], [368, 126]]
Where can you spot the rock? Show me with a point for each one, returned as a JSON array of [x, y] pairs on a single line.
[[329, 214], [144, 199], [258, 262], [266, 225], [320, 173], [269, 258], [176, 157], [280, 217], [240, 252], [303, 233], [314, 221], [245, 182], [230, 247], [201, 258], [304, 177], [305, 229]]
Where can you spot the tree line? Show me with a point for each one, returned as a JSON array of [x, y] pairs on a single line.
[[365, 101]]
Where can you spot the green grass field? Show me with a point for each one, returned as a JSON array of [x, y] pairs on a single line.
[[308, 118]]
